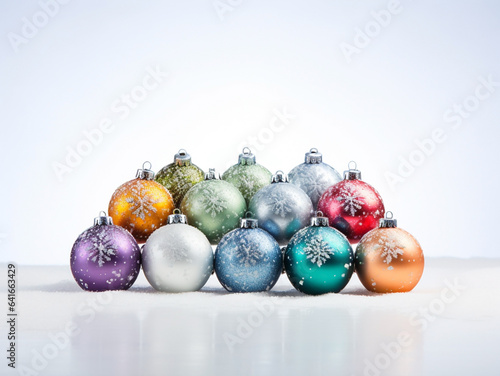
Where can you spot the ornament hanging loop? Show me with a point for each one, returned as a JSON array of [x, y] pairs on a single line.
[[145, 173], [103, 219], [249, 223], [352, 173], [319, 221], [182, 158], [279, 177], [313, 157], [211, 174], [388, 221], [177, 217], [246, 157]]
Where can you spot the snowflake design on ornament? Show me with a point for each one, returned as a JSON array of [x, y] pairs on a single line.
[[212, 202], [350, 198], [316, 185], [102, 248], [318, 251], [141, 202], [390, 249], [248, 255], [280, 204]]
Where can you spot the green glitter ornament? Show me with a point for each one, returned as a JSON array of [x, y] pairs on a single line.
[[214, 207], [247, 175], [179, 177]]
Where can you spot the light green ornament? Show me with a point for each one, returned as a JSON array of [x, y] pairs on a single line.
[[180, 176], [247, 175], [214, 207]]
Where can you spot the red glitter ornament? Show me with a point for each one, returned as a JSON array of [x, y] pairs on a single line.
[[352, 206]]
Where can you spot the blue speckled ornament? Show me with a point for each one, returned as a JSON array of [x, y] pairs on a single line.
[[319, 259], [248, 259]]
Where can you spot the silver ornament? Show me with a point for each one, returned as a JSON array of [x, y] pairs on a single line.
[[313, 176], [177, 257], [281, 208]]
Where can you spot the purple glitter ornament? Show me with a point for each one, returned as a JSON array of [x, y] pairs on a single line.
[[105, 257]]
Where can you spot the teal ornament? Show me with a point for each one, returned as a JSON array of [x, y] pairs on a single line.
[[248, 176], [319, 259]]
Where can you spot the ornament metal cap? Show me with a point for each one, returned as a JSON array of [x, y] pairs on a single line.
[[103, 220], [145, 173], [352, 173], [313, 157], [319, 221], [246, 157], [177, 217], [249, 223], [182, 158], [388, 221], [279, 177], [212, 175]]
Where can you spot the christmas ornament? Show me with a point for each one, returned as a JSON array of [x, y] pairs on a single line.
[[214, 206], [389, 259], [177, 257], [105, 257], [247, 175], [319, 259], [180, 176], [352, 206], [313, 176], [281, 208], [141, 205], [248, 259]]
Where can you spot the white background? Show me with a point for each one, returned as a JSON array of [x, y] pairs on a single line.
[[229, 72]]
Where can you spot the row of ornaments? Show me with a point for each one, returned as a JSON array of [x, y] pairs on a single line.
[[178, 258], [282, 204], [214, 206]]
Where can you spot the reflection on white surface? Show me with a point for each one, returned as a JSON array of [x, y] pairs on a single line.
[[283, 332]]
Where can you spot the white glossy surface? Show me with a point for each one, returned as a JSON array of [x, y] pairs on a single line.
[[144, 332]]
